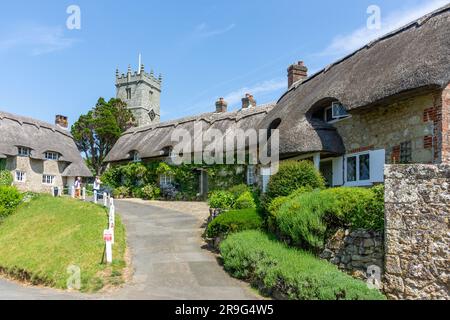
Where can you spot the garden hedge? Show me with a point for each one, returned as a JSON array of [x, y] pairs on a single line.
[[278, 269], [291, 176], [234, 221]]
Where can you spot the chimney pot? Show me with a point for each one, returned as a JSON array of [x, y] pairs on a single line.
[[297, 72], [61, 121], [221, 105], [248, 101]]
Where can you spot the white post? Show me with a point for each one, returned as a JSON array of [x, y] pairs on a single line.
[[108, 238], [112, 221], [95, 196], [84, 193], [111, 201], [105, 199], [72, 192]]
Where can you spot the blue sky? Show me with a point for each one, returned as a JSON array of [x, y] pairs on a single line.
[[204, 49]]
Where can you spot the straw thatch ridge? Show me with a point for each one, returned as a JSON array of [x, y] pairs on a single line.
[[154, 140]]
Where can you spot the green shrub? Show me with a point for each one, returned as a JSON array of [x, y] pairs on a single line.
[[256, 257], [291, 176], [245, 201], [276, 203], [308, 219], [10, 198], [221, 199], [239, 189], [234, 221], [122, 192], [6, 178], [150, 192]]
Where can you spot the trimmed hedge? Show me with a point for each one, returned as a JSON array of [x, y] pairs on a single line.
[[291, 176], [245, 201], [10, 198], [234, 221], [274, 267], [308, 219]]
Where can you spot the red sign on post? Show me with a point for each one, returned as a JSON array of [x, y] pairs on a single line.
[[107, 236]]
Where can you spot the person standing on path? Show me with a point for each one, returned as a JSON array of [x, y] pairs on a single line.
[[77, 186], [97, 184]]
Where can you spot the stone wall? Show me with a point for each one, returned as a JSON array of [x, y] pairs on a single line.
[[34, 169], [407, 121], [355, 251], [446, 125], [417, 261]]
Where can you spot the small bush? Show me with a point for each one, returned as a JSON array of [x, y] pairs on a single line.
[[245, 201], [6, 178], [258, 258], [122, 192], [291, 176], [150, 192], [10, 198], [234, 221], [221, 199], [239, 189], [276, 204], [308, 219]]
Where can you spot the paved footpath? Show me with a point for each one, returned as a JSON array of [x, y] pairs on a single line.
[[167, 259]]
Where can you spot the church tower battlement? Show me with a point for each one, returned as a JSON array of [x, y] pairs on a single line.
[[141, 91]]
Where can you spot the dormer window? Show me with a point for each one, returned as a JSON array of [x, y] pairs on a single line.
[[49, 155], [136, 157], [335, 112], [23, 152]]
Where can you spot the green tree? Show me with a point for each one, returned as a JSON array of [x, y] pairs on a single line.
[[96, 132]]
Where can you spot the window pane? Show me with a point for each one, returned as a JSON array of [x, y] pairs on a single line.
[[339, 110], [351, 169], [364, 167]]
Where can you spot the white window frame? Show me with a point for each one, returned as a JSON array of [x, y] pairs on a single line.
[[48, 179], [50, 155], [335, 118], [136, 157], [358, 181], [23, 151], [22, 175], [251, 175]]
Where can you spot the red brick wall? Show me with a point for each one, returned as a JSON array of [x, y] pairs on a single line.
[[445, 146]]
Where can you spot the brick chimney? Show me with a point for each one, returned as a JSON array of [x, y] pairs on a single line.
[[221, 105], [297, 72], [248, 102], [61, 121]]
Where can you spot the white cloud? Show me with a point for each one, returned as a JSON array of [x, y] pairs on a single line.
[[202, 30], [36, 39], [344, 44], [261, 88]]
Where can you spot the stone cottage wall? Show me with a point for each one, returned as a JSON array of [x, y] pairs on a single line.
[[417, 231], [355, 251], [413, 120]]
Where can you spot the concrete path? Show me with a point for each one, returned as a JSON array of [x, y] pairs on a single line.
[[167, 259]]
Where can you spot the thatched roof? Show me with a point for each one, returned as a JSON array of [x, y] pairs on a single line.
[[40, 137], [154, 140], [415, 56]]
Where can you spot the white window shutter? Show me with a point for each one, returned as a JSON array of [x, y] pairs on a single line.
[[377, 161], [338, 171], [265, 172]]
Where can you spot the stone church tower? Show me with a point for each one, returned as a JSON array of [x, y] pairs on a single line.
[[141, 92]]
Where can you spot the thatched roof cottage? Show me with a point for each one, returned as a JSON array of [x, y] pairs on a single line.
[[39, 155]]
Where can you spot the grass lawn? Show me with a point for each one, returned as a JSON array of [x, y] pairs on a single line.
[[47, 235]]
